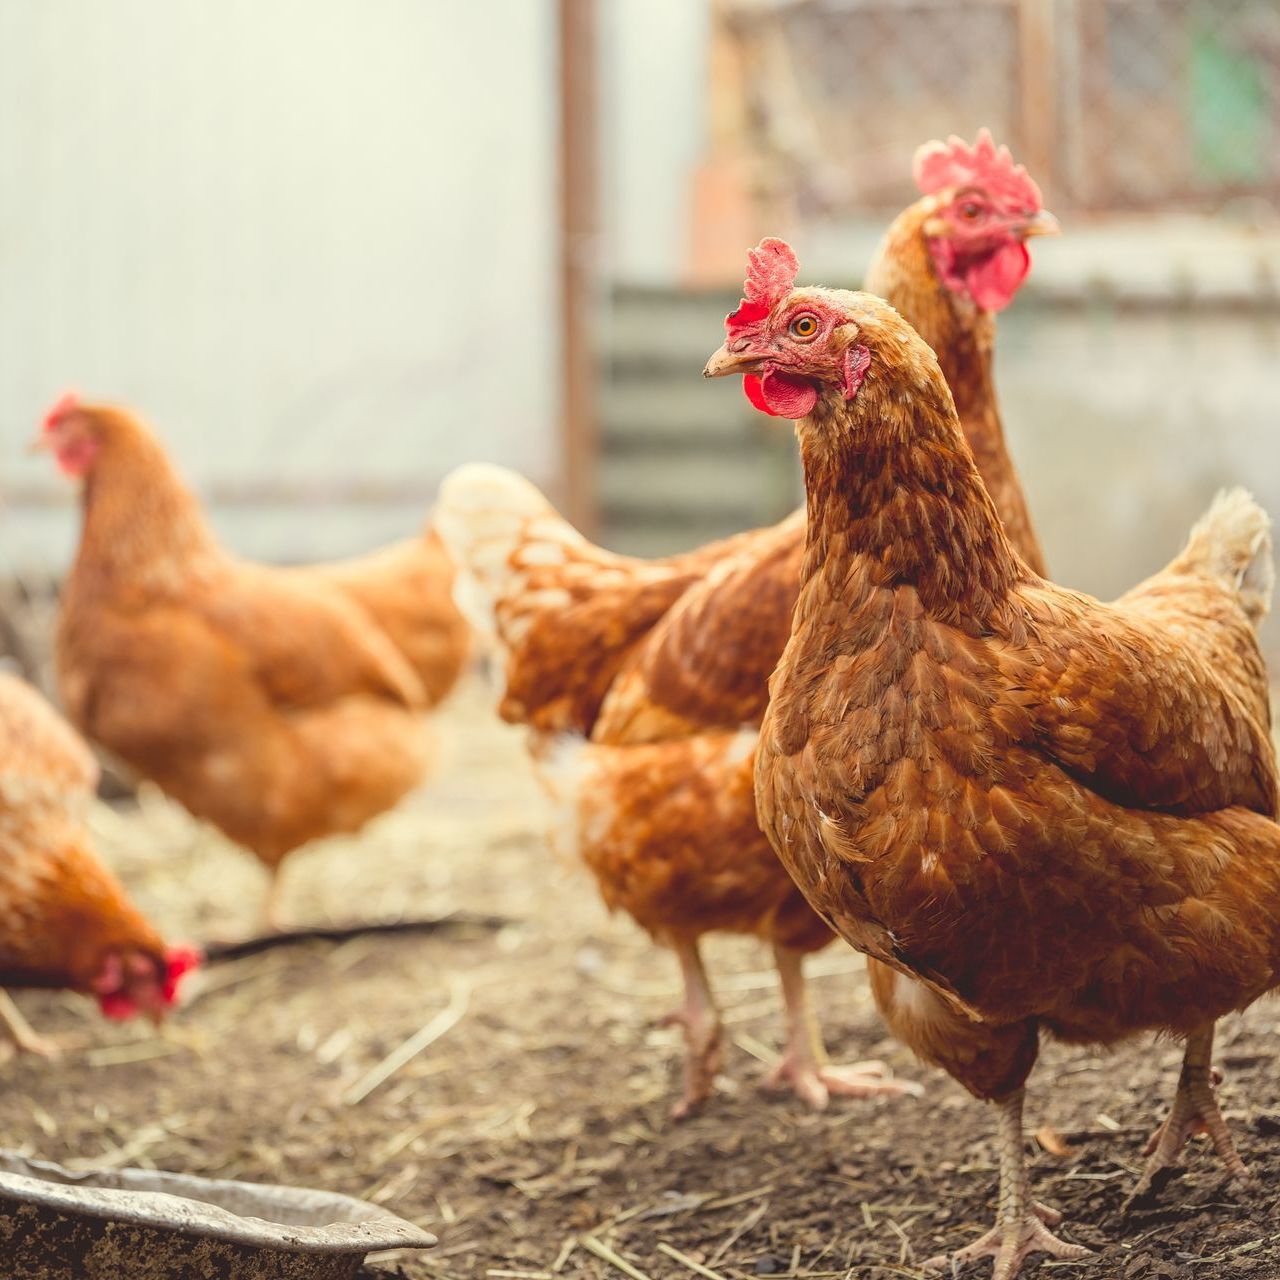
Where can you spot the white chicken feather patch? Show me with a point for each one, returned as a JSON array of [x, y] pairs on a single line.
[[1232, 540], [565, 766], [497, 527]]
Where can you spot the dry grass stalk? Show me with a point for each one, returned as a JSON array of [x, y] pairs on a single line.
[[444, 1021], [605, 1254], [740, 1230], [685, 1261]]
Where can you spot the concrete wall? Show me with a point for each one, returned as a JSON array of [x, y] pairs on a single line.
[[1123, 419], [312, 239], [653, 74], [1125, 424]]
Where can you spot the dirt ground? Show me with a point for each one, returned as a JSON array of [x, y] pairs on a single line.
[[532, 1134]]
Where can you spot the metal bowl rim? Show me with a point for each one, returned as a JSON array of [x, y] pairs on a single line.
[[375, 1230]]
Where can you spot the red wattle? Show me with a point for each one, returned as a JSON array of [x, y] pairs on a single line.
[[780, 394], [117, 1006], [993, 281], [75, 457], [754, 391]]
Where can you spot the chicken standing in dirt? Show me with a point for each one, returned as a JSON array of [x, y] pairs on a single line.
[[268, 701], [64, 919], [682, 857], [1053, 814], [677, 657]]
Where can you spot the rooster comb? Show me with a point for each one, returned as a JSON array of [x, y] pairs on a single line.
[[67, 402], [954, 163], [772, 267]]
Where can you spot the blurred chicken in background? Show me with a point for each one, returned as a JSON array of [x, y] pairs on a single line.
[[676, 654], [64, 919], [280, 704]]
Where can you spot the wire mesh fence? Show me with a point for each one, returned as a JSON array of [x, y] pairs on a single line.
[[1115, 104]]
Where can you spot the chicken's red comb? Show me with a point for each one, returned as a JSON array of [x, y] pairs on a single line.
[[939, 165], [66, 403], [772, 267]]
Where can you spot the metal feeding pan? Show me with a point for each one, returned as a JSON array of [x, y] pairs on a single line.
[[60, 1225]]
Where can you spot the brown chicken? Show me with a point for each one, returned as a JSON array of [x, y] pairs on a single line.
[[667, 829], [950, 260], [1053, 814], [264, 700], [64, 919]]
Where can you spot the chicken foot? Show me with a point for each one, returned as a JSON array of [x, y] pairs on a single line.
[[1195, 1110], [703, 1035], [26, 1039], [1022, 1224], [804, 1066]]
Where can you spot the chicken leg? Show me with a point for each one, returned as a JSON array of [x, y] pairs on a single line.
[[1022, 1224], [703, 1034], [804, 1065], [272, 915], [1195, 1110], [26, 1039]]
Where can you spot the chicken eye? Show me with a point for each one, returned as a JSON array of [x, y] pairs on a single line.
[[970, 210], [804, 327]]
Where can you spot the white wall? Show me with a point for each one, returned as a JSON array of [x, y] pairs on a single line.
[[312, 239], [653, 69]]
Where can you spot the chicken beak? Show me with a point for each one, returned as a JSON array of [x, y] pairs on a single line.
[[1043, 224], [725, 363], [41, 444]]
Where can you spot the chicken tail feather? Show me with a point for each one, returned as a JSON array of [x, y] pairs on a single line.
[[1232, 542], [496, 526]]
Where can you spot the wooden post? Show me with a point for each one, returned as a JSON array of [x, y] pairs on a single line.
[[578, 228], [1038, 91], [724, 213]]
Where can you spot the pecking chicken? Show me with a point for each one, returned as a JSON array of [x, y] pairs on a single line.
[[64, 919], [265, 700], [1051, 814]]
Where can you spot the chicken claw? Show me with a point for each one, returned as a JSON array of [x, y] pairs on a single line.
[[814, 1083], [804, 1066], [1011, 1242], [1022, 1224], [703, 1053], [703, 1035], [1195, 1110]]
